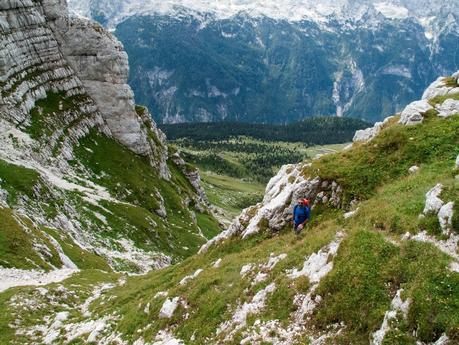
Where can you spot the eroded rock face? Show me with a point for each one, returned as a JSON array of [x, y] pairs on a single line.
[[281, 195], [193, 176], [414, 112], [61, 79], [3, 198], [31, 68], [448, 108], [54, 9], [439, 88], [444, 86], [102, 64], [445, 216], [433, 201], [43, 52], [366, 135]]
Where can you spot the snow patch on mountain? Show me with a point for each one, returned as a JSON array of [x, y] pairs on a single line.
[[391, 10], [290, 10]]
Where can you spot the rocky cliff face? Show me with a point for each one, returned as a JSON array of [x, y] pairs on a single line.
[[102, 64], [46, 51], [69, 122], [31, 67]]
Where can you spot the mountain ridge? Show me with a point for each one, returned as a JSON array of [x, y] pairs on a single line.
[[284, 10], [83, 170], [191, 64]]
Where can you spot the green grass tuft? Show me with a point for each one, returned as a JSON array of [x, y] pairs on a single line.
[[17, 180], [19, 240], [361, 170]]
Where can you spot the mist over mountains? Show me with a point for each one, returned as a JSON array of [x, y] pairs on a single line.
[[252, 61]]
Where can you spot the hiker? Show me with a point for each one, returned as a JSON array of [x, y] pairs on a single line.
[[301, 215]]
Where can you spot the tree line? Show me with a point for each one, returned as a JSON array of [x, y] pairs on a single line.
[[323, 130]]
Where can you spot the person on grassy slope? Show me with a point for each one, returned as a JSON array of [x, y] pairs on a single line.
[[301, 215]]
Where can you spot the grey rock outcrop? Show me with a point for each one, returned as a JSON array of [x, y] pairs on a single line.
[[366, 135], [442, 87], [413, 114], [192, 174], [439, 88], [3, 198], [414, 169], [32, 67], [433, 202], [62, 80], [448, 108], [281, 195], [445, 216], [43, 52], [102, 64]]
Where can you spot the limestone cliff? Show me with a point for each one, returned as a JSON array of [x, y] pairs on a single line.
[[44, 50], [98, 169]]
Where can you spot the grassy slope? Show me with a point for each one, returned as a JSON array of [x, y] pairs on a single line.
[[31, 306], [231, 194], [389, 156], [130, 179], [17, 180], [368, 268], [19, 239]]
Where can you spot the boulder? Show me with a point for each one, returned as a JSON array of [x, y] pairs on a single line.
[[433, 202], [350, 214], [437, 88], [445, 216], [168, 308], [448, 108], [413, 113], [413, 169], [366, 135]]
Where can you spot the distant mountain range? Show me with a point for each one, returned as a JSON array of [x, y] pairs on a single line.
[[266, 62]]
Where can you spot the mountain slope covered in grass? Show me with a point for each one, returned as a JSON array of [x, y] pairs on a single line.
[[377, 264]]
